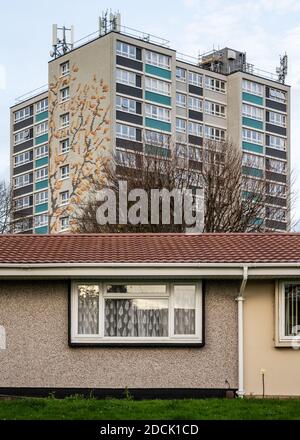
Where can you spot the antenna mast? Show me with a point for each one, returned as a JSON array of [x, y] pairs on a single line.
[[283, 69], [61, 45]]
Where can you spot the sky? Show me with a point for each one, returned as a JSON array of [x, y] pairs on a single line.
[[262, 28]]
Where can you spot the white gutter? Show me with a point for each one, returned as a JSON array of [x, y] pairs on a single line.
[[240, 300]]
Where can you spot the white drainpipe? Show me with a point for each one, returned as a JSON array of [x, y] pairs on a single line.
[[240, 300]]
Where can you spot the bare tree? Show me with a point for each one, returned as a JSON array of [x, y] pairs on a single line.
[[232, 202], [5, 207], [143, 172]]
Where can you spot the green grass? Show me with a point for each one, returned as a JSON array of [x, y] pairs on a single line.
[[77, 408]]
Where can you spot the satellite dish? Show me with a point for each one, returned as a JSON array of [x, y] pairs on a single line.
[[51, 53]]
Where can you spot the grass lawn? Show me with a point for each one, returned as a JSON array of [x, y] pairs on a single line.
[[112, 409]]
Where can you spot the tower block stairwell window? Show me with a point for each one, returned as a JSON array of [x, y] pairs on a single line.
[[136, 313]]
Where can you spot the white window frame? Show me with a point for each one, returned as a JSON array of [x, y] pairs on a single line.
[[99, 338], [64, 146], [158, 59], [253, 161], [64, 200], [22, 158], [21, 203], [195, 153], [124, 131], [41, 197], [65, 94], [282, 339], [276, 189], [181, 125], [64, 172], [281, 145], [180, 99], [157, 138], [22, 114], [212, 133], [195, 104], [125, 104], [41, 220], [277, 166], [41, 151], [215, 84], [277, 95], [195, 79], [250, 111], [181, 74], [125, 158], [278, 119], [199, 129], [22, 136], [157, 112], [41, 106], [126, 77], [64, 68], [252, 87], [157, 86], [41, 128], [64, 223], [41, 174], [126, 50], [214, 108], [65, 120], [255, 137], [21, 181]]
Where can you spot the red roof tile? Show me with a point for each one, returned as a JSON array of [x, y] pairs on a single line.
[[152, 248]]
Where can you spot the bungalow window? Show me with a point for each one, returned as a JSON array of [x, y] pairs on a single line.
[[289, 313], [136, 313]]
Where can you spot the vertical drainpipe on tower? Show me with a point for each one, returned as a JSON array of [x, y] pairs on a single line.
[[240, 300]]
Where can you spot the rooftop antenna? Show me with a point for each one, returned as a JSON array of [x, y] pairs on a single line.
[[61, 45], [283, 69], [110, 21]]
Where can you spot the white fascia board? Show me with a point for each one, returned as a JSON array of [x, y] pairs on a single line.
[[151, 270]]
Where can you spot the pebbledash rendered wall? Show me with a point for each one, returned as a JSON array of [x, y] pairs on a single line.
[[35, 316]]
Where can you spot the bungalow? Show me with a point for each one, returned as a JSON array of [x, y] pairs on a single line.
[[157, 314]]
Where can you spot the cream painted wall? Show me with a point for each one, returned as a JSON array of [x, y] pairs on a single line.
[[282, 365]]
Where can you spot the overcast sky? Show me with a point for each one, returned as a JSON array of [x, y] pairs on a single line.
[[262, 28]]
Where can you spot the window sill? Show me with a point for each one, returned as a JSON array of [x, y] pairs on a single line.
[[137, 345]]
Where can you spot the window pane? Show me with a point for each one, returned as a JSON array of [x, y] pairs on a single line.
[[88, 309], [184, 310], [136, 317], [136, 288], [292, 309]]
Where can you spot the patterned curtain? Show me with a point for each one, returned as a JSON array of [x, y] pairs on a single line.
[[88, 310], [136, 318], [184, 322]]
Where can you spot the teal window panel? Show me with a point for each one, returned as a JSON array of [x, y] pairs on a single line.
[[253, 98], [159, 125], [41, 139], [41, 162], [41, 230], [249, 171], [41, 116], [41, 208], [41, 185], [156, 97], [157, 151], [253, 147], [253, 123], [158, 71]]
